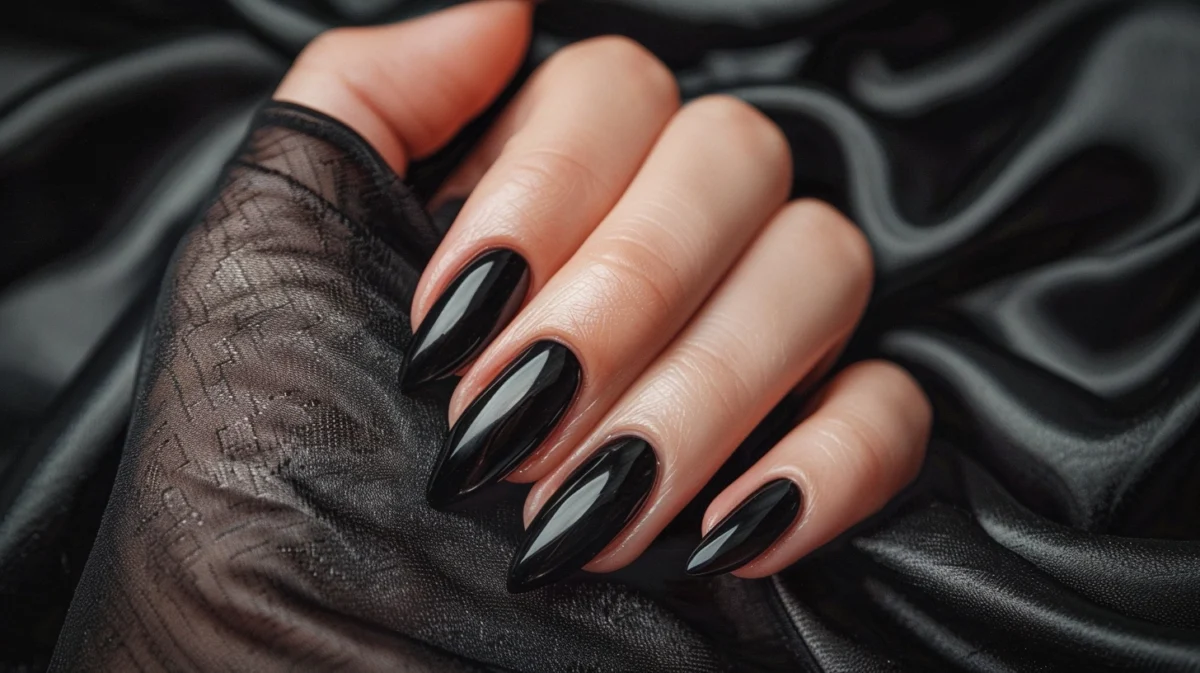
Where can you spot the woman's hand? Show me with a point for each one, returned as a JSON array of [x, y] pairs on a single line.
[[627, 292], [657, 293]]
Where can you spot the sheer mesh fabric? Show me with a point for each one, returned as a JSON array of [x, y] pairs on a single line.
[[269, 509]]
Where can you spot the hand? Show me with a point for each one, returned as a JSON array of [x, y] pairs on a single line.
[[267, 513], [627, 293]]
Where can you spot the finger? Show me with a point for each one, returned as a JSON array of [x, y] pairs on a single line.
[[571, 143], [407, 88], [862, 445], [628, 62], [718, 172], [792, 298]]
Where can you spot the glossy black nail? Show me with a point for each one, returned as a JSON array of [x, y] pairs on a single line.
[[592, 506], [509, 419], [476, 305], [747, 531]]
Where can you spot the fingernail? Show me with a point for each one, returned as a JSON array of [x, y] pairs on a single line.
[[748, 530], [508, 420], [478, 303], [592, 506]]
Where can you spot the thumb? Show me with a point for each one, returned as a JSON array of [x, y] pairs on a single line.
[[407, 88]]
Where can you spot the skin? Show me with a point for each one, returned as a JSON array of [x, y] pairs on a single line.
[[663, 251]]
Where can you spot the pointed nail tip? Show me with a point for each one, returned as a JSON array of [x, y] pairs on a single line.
[[408, 383], [520, 584], [412, 383], [701, 569], [518, 588], [438, 492], [439, 503], [441, 496], [443, 492]]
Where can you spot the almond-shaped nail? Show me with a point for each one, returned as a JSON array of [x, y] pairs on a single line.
[[747, 531], [507, 422], [587, 512], [477, 304]]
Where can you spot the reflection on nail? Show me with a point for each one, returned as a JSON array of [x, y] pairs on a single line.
[[476, 305], [587, 512], [507, 422], [747, 531]]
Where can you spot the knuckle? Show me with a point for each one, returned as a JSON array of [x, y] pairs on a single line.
[[860, 447], [908, 401], [642, 273], [717, 372], [631, 59], [328, 43], [889, 376], [554, 178], [624, 60], [730, 110], [841, 242], [536, 174], [747, 127], [568, 168]]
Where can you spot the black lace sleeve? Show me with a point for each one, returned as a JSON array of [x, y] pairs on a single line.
[[269, 509]]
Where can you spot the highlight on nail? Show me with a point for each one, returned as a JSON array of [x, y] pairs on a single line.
[[749, 530], [507, 422], [481, 300], [595, 503]]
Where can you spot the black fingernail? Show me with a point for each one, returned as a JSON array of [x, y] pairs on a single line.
[[748, 530], [506, 422], [478, 303], [592, 506]]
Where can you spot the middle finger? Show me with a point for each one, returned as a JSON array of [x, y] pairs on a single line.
[[718, 172]]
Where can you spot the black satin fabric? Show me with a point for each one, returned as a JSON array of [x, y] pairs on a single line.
[[1028, 174]]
